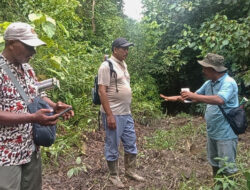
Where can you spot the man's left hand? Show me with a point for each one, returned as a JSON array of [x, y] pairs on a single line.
[[60, 106]]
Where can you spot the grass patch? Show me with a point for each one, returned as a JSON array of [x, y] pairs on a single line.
[[183, 115], [184, 128], [170, 139]]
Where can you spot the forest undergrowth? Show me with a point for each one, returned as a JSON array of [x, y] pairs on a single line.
[[172, 155]]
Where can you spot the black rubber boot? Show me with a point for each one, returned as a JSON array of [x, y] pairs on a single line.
[[215, 170]]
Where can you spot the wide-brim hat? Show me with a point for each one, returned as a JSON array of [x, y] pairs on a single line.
[[24, 33], [215, 61]]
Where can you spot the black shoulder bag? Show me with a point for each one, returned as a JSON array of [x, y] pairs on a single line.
[[236, 118], [42, 135]]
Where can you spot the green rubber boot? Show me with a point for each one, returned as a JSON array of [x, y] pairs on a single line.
[[130, 165], [114, 175]]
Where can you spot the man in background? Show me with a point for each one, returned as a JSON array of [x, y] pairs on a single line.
[[115, 94]]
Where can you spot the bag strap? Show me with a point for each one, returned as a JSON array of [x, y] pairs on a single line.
[[5, 67], [221, 109], [111, 72]]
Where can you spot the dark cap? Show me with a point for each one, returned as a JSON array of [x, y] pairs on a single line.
[[121, 42], [215, 61]]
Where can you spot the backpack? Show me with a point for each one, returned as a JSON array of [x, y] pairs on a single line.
[[95, 95]]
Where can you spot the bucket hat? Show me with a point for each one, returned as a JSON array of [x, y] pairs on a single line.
[[215, 61]]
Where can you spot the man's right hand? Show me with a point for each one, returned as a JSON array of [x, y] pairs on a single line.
[[111, 122], [43, 119]]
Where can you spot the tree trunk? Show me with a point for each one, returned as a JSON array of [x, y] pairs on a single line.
[[93, 16]]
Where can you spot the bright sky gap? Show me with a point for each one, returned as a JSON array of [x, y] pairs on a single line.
[[133, 9]]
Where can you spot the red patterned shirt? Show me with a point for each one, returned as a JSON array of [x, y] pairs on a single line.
[[16, 142]]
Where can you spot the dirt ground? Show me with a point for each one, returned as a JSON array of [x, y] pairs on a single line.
[[163, 169]]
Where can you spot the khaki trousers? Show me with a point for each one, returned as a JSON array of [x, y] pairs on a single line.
[[22, 177]]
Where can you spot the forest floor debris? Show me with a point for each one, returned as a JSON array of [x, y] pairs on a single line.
[[183, 162]]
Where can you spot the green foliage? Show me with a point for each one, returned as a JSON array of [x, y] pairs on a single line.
[[68, 136], [187, 30], [225, 182], [146, 102], [247, 175], [3, 27], [183, 115], [233, 181], [197, 109], [77, 35], [161, 140], [169, 40], [75, 170], [181, 136], [170, 139], [222, 36]]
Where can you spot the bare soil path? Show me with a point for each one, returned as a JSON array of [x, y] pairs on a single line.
[[163, 169]]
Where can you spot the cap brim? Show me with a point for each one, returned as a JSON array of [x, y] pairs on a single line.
[[127, 44], [218, 69], [33, 42]]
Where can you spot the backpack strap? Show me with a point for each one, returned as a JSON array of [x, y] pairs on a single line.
[[111, 72]]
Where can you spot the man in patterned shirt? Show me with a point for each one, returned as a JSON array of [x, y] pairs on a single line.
[[20, 161]]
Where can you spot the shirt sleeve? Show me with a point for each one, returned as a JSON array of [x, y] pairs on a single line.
[[104, 74], [226, 91], [202, 89]]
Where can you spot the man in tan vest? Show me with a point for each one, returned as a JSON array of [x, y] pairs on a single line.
[[115, 94]]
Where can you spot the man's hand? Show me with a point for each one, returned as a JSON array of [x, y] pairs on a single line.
[[188, 95], [111, 122], [43, 119], [60, 106]]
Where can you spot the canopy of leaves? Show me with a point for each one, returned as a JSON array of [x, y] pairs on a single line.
[[78, 33], [176, 33]]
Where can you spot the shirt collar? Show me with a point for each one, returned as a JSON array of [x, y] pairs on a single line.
[[219, 80], [118, 61]]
